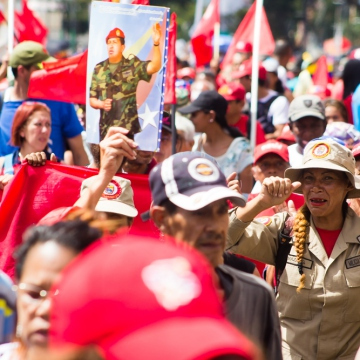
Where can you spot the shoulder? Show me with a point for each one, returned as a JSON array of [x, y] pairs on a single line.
[[280, 101], [99, 65]]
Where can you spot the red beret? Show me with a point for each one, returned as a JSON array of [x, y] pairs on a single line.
[[115, 33]]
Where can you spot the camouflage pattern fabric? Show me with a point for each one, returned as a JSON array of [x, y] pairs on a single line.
[[120, 86]]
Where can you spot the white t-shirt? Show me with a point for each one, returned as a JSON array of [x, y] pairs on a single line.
[[295, 155]]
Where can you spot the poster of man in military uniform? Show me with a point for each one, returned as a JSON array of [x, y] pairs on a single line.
[[118, 88]]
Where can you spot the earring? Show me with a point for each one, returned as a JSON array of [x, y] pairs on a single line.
[[18, 331], [211, 120]]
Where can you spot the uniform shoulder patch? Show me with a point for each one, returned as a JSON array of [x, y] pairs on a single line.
[[265, 220]]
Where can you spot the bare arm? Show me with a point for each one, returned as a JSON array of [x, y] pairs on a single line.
[[246, 180], [155, 64], [276, 133], [77, 148]]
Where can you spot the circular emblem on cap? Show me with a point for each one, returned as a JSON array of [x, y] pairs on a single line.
[[203, 170], [321, 150], [117, 32], [112, 191]]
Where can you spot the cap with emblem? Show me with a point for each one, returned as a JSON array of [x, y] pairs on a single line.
[[115, 33], [118, 197], [140, 298], [28, 53], [306, 105], [271, 147], [243, 47], [232, 91], [245, 69], [327, 154], [191, 182]]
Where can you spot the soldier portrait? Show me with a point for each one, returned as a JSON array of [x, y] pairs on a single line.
[[115, 80]]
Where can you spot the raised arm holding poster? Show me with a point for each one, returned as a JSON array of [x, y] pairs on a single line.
[[126, 69]]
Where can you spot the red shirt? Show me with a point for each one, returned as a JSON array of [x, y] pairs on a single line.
[[241, 125], [328, 238]]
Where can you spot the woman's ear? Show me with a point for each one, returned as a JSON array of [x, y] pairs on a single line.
[[158, 214]]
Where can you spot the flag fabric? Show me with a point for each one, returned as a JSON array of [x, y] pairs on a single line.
[[141, 2], [320, 76], [170, 95], [63, 79], [28, 26], [201, 39], [2, 17], [35, 191], [245, 33]]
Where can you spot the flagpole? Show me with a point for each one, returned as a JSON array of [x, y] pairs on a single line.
[[10, 25], [255, 72], [216, 52]]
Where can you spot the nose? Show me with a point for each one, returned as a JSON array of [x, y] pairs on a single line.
[[43, 309]]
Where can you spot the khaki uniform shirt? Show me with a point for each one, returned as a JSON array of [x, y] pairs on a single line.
[[323, 320], [120, 86]]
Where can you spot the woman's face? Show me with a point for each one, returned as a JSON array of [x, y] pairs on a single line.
[[41, 269], [332, 114], [324, 192], [201, 120], [36, 131]]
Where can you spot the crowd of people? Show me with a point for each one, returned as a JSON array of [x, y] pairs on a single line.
[[258, 251]]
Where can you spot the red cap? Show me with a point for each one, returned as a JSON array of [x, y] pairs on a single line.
[[186, 72], [115, 33], [57, 215], [356, 151], [243, 46], [148, 299], [232, 91], [271, 147], [245, 69], [286, 134]]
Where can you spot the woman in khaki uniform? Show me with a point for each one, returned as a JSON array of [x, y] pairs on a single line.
[[319, 292]]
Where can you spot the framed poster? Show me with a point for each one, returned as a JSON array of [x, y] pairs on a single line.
[[126, 70]]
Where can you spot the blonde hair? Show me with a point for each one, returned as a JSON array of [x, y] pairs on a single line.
[[300, 235]]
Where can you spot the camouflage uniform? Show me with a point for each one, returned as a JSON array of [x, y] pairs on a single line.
[[120, 86]]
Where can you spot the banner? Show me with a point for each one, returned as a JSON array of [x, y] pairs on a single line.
[[35, 191]]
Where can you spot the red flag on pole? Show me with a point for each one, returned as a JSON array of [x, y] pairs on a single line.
[[202, 38], [62, 79], [245, 33], [320, 76], [2, 17], [141, 2], [170, 95], [28, 26], [47, 188]]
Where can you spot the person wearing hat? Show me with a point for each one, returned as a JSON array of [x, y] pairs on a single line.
[[307, 122], [190, 195], [115, 80], [273, 108], [234, 94], [66, 129], [219, 140], [319, 290]]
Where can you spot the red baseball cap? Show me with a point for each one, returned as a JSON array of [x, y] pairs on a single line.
[[138, 298], [271, 147], [232, 91], [115, 33], [243, 46], [186, 72], [245, 69], [356, 151]]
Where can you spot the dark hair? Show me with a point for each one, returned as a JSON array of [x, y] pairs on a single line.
[[351, 77], [232, 131], [282, 47], [279, 87], [339, 105], [15, 70], [76, 235], [170, 207]]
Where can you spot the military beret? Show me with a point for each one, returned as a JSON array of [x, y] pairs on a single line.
[[28, 53], [115, 33]]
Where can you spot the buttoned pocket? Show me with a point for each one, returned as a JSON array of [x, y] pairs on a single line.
[[290, 303], [352, 277]]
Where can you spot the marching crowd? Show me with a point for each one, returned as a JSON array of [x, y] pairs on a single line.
[[258, 253]]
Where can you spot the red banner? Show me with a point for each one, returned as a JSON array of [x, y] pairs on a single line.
[[35, 191], [245, 32], [63, 80], [2, 17], [170, 95], [201, 40], [141, 2]]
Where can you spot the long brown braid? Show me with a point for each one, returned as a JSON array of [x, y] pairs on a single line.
[[300, 235]]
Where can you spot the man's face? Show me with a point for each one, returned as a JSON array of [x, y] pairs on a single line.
[[245, 81], [115, 49], [234, 107], [307, 129], [203, 229], [269, 165]]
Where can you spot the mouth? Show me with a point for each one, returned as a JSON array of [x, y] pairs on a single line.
[[317, 201], [40, 336]]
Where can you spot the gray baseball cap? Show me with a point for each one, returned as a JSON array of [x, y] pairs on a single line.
[[306, 105]]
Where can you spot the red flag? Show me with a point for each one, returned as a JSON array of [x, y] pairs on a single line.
[[170, 96], [245, 32], [202, 38], [320, 76], [28, 26], [63, 80], [47, 188], [2, 17], [141, 2]]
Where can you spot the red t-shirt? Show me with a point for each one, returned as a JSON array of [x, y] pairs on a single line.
[[241, 125], [328, 238]]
